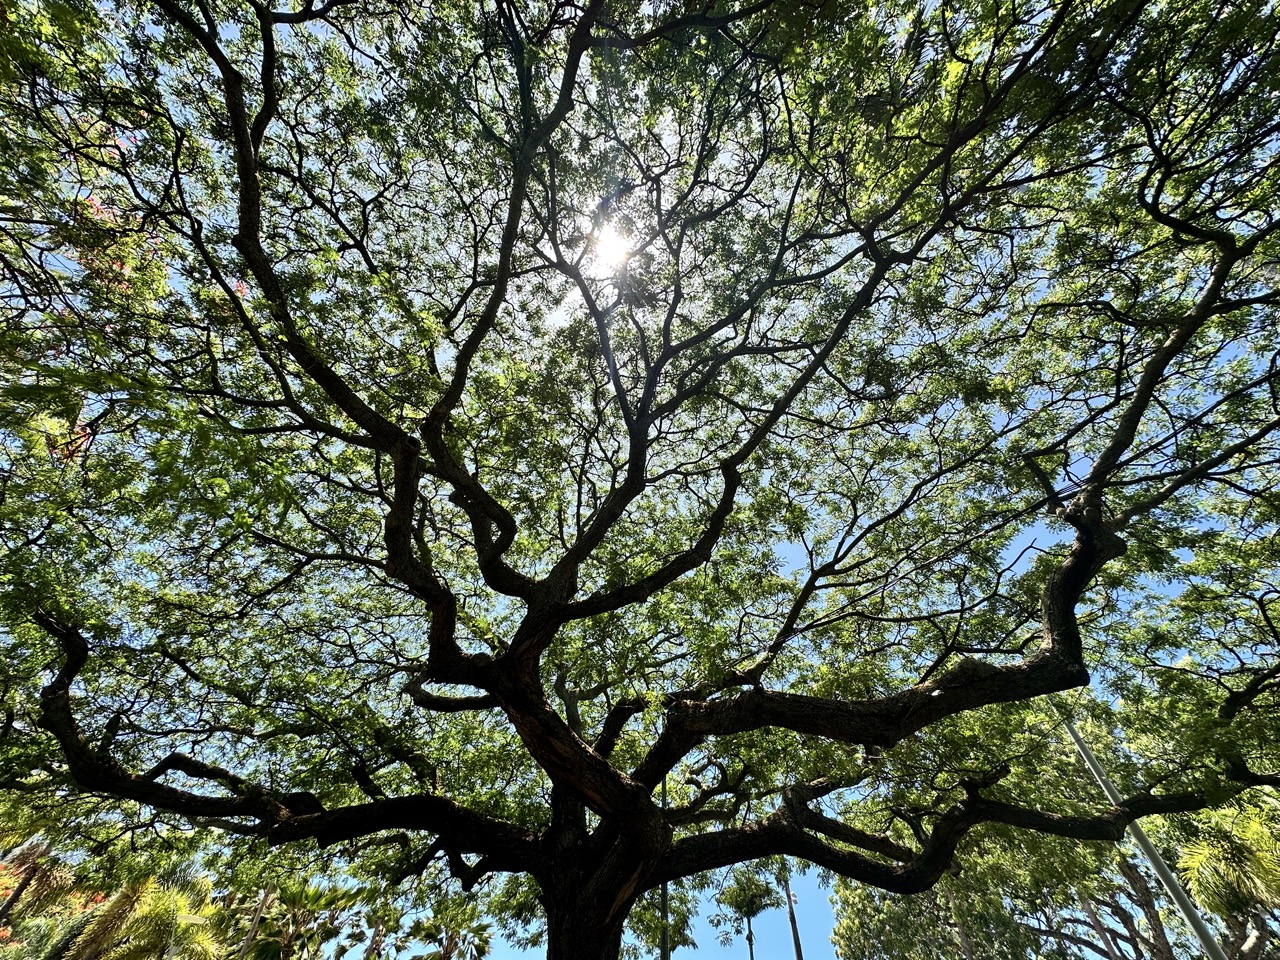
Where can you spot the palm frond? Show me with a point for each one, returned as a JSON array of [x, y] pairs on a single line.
[[109, 922], [60, 947]]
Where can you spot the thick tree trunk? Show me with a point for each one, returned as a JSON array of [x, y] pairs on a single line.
[[585, 913], [593, 879], [574, 936]]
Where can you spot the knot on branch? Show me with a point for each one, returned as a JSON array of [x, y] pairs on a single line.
[[973, 785]]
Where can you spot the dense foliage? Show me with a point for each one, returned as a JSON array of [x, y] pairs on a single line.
[[1035, 895], [429, 430], [98, 900]]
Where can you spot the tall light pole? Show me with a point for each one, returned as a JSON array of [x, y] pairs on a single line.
[[666, 912], [1167, 878]]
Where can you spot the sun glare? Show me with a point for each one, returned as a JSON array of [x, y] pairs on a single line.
[[611, 247]]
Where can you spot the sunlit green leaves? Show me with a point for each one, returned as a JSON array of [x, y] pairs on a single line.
[[322, 401]]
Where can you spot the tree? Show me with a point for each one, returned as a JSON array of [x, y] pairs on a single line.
[[745, 897], [1035, 895], [295, 921], [1002, 910], [1232, 866], [86, 904], [426, 432], [790, 900], [23, 868], [1024, 895], [144, 918], [1047, 900], [454, 931]]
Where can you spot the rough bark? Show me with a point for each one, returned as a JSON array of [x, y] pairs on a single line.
[[375, 941], [572, 935], [1160, 946]]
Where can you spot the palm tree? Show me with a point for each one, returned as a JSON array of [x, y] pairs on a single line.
[[1233, 869], [150, 919], [263, 901], [145, 919], [454, 932], [746, 897], [294, 920], [28, 862]]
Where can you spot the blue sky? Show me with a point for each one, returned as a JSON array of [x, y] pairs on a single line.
[[773, 933]]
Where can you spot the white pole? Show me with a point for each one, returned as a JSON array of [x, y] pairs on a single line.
[[666, 905], [1170, 882]]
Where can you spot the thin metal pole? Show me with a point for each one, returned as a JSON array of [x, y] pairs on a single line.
[[666, 913], [1167, 879], [791, 908]]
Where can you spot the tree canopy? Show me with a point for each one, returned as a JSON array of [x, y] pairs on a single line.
[[430, 429], [1024, 894]]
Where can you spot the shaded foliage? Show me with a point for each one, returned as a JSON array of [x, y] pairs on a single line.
[[427, 432]]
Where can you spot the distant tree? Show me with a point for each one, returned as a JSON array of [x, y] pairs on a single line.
[[1002, 910], [24, 871], [1231, 863], [789, 900], [298, 920], [146, 919], [1038, 896], [454, 931], [747, 895], [425, 430]]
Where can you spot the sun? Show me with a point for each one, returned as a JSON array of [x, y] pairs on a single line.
[[612, 247]]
